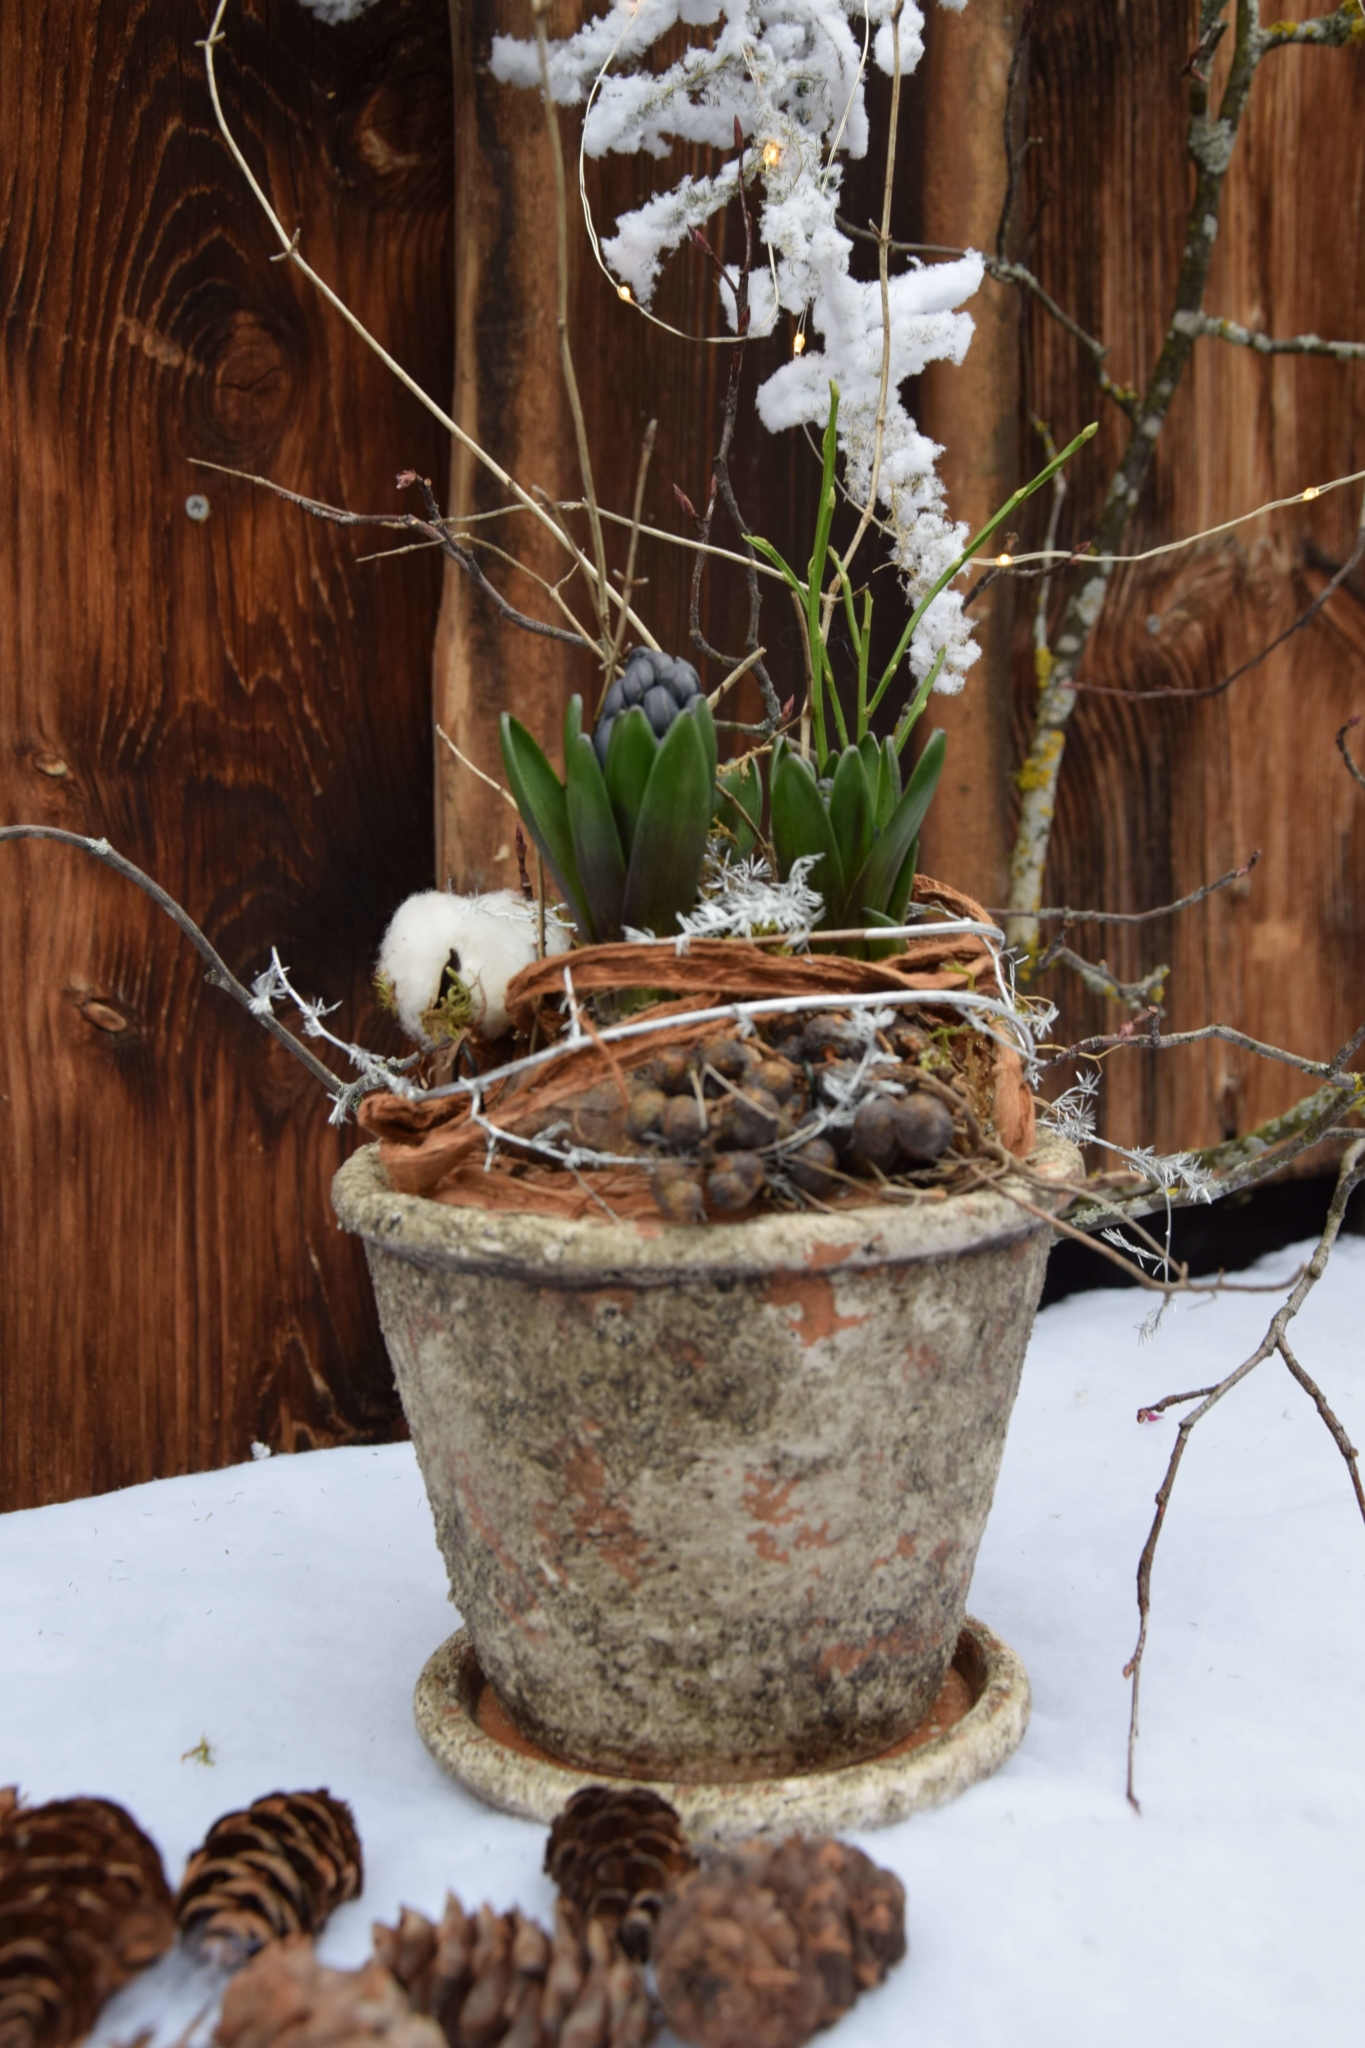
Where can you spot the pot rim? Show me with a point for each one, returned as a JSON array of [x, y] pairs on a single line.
[[591, 1251]]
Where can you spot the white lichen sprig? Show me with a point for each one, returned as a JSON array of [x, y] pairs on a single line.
[[743, 899], [374, 1071]]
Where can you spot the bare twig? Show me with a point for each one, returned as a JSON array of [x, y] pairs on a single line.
[[220, 975], [1101, 980], [539, 9], [475, 769], [433, 528], [1352, 1171], [1013, 157], [722, 487], [628, 580], [1069, 916], [290, 251], [1335, 1428], [1346, 754], [1305, 618]]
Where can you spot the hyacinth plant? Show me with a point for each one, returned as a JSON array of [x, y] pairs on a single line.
[[624, 834]]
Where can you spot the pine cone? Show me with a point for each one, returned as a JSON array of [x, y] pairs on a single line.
[[498, 1981], [84, 1905], [614, 1853], [764, 1945], [286, 1993], [280, 1867], [849, 1913]]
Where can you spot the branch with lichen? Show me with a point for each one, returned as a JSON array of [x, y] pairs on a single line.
[[1208, 325], [1210, 142]]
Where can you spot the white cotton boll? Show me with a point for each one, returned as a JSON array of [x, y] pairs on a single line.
[[485, 940]]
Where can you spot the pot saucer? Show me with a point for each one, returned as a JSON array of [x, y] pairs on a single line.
[[977, 1721]]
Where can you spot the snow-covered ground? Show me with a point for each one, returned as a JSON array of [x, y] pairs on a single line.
[[283, 1610]]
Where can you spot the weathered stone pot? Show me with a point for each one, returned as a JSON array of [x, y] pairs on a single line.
[[710, 1498]]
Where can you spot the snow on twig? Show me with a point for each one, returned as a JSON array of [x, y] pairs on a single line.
[[791, 74]]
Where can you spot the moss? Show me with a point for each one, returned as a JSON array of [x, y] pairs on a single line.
[[449, 1018]]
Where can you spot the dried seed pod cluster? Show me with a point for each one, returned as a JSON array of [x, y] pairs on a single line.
[[280, 1866], [613, 1852], [84, 1905], [498, 1980], [727, 1116], [765, 1944]]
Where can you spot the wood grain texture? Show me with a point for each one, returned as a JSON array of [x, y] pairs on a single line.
[[970, 409], [1156, 798], [232, 703]]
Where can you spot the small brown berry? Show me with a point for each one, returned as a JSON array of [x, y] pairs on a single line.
[[776, 1076], [745, 1121], [874, 1133], [677, 1195], [683, 1121], [736, 1180], [923, 1127], [672, 1070], [812, 1165], [646, 1110], [829, 1034], [730, 1058]]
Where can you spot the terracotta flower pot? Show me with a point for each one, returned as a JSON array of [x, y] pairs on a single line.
[[710, 1499]]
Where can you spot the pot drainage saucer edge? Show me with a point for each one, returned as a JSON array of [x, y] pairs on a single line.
[[977, 1722]]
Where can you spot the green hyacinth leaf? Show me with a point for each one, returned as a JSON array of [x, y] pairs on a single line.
[[573, 725], [851, 810], [630, 763], [596, 841], [871, 750], [898, 902], [671, 832], [739, 804], [892, 759], [800, 827], [700, 710], [541, 798], [885, 949], [875, 885]]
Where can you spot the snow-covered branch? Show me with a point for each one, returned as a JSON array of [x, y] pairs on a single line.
[[791, 74]]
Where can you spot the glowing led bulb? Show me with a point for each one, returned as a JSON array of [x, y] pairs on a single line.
[[798, 342], [772, 155], [623, 292], [1003, 561], [1312, 492]]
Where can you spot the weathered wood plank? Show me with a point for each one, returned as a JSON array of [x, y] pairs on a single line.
[[1157, 797], [231, 701]]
